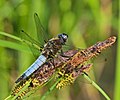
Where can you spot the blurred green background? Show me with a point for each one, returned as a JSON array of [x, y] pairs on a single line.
[[85, 21]]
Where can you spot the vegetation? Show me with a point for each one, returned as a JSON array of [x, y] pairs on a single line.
[[85, 21]]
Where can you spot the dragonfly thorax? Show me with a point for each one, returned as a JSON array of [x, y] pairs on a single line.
[[54, 45]]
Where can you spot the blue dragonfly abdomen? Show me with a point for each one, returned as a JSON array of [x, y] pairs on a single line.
[[40, 60]]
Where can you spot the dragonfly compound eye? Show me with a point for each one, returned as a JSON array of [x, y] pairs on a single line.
[[63, 37]]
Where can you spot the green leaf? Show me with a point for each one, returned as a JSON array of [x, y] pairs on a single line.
[[12, 45]]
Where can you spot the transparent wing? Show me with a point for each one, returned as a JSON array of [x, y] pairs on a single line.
[[41, 33], [34, 45]]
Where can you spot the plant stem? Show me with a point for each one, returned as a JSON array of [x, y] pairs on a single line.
[[26, 86], [8, 97], [51, 88], [97, 87]]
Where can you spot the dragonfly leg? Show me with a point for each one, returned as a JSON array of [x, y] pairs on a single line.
[[63, 55]]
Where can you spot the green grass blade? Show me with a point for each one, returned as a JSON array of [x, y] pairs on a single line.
[[8, 98], [14, 46], [19, 39], [50, 90], [10, 36], [26, 86], [86, 77], [117, 76], [97, 87]]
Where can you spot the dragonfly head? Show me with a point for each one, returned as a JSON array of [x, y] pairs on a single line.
[[63, 38]]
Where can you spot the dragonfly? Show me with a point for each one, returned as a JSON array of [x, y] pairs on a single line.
[[49, 50], [71, 64]]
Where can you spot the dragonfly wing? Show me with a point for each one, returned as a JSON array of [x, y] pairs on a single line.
[[34, 45], [41, 33]]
